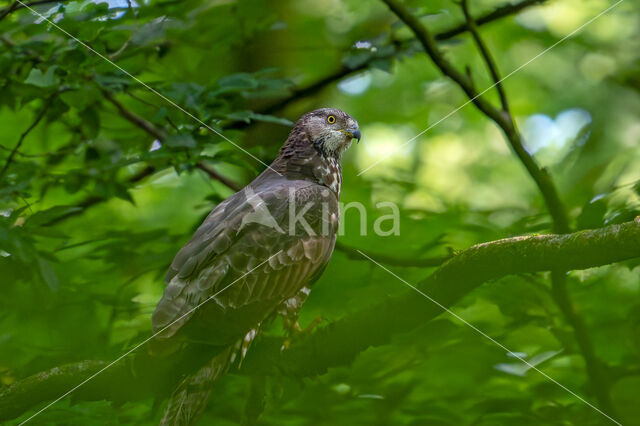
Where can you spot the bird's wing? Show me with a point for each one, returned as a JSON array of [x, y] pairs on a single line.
[[244, 259]]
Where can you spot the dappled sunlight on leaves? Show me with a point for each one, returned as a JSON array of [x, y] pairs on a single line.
[[101, 193]]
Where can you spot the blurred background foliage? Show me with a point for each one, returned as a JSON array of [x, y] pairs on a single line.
[[102, 181]]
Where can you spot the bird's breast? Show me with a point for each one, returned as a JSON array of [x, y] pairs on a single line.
[[329, 172]]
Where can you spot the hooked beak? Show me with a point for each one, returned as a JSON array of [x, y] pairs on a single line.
[[353, 132]]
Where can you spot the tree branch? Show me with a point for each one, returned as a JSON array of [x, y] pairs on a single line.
[[338, 343], [7, 10], [17, 6], [133, 118], [145, 172], [488, 58], [24, 134], [159, 135], [595, 368], [217, 176], [318, 85], [541, 178], [499, 13], [504, 120]]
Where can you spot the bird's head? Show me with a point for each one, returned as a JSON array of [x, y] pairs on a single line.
[[329, 129]]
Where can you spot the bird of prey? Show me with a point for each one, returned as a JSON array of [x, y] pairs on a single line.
[[255, 256]]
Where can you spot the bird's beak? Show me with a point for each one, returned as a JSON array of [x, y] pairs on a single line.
[[353, 132]]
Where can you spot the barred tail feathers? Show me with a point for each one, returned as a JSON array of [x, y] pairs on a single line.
[[191, 396]]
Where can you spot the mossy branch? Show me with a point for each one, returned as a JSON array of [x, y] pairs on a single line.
[[503, 118], [339, 343]]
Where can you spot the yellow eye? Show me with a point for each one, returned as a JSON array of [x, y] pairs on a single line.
[[331, 119]]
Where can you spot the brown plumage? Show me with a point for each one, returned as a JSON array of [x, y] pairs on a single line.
[[251, 258]]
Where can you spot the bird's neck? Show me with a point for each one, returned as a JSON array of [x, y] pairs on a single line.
[[304, 161]]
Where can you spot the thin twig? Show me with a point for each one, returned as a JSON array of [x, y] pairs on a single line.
[[596, 373], [142, 174], [17, 6], [560, 292], [217, 176], [24, 134], [334, 345], [317, 86], [159, 135], [6, 11], [539, 175], [486, 54], [124, 46], [255, 402], [499, 13], [504, 120], [311, 89], [134, 118]]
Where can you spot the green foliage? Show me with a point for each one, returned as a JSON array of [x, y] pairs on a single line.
[[100, 185]]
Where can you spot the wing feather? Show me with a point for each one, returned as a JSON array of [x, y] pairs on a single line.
[[261, 265]]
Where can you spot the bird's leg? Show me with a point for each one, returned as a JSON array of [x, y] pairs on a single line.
[[308, 329], [290, 311], [243, 346]]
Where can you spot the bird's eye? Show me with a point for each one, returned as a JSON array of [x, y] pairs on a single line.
[[331, 119]]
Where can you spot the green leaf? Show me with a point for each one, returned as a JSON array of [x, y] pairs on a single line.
[[355, 60], [122, 192], [520, 368], [382, 64], [183, 140], [80, 98], [236, 83], [91, 121], [74, 181], [592, 215], [247, 116], [48, 275], [48, 79], [45, 216]]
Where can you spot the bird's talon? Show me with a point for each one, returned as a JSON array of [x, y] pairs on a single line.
[[286, 344], [311, 326]]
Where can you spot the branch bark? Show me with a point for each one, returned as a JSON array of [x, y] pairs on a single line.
[[149, 170], [312, 89], [133, 118], [338, 343], [217, 176], [152, 130], [540, 176], [499, 13], [596, 373], [486, 55], [503, 118]]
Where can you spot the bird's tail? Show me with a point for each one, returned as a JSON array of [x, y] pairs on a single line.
[[191, 396]]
